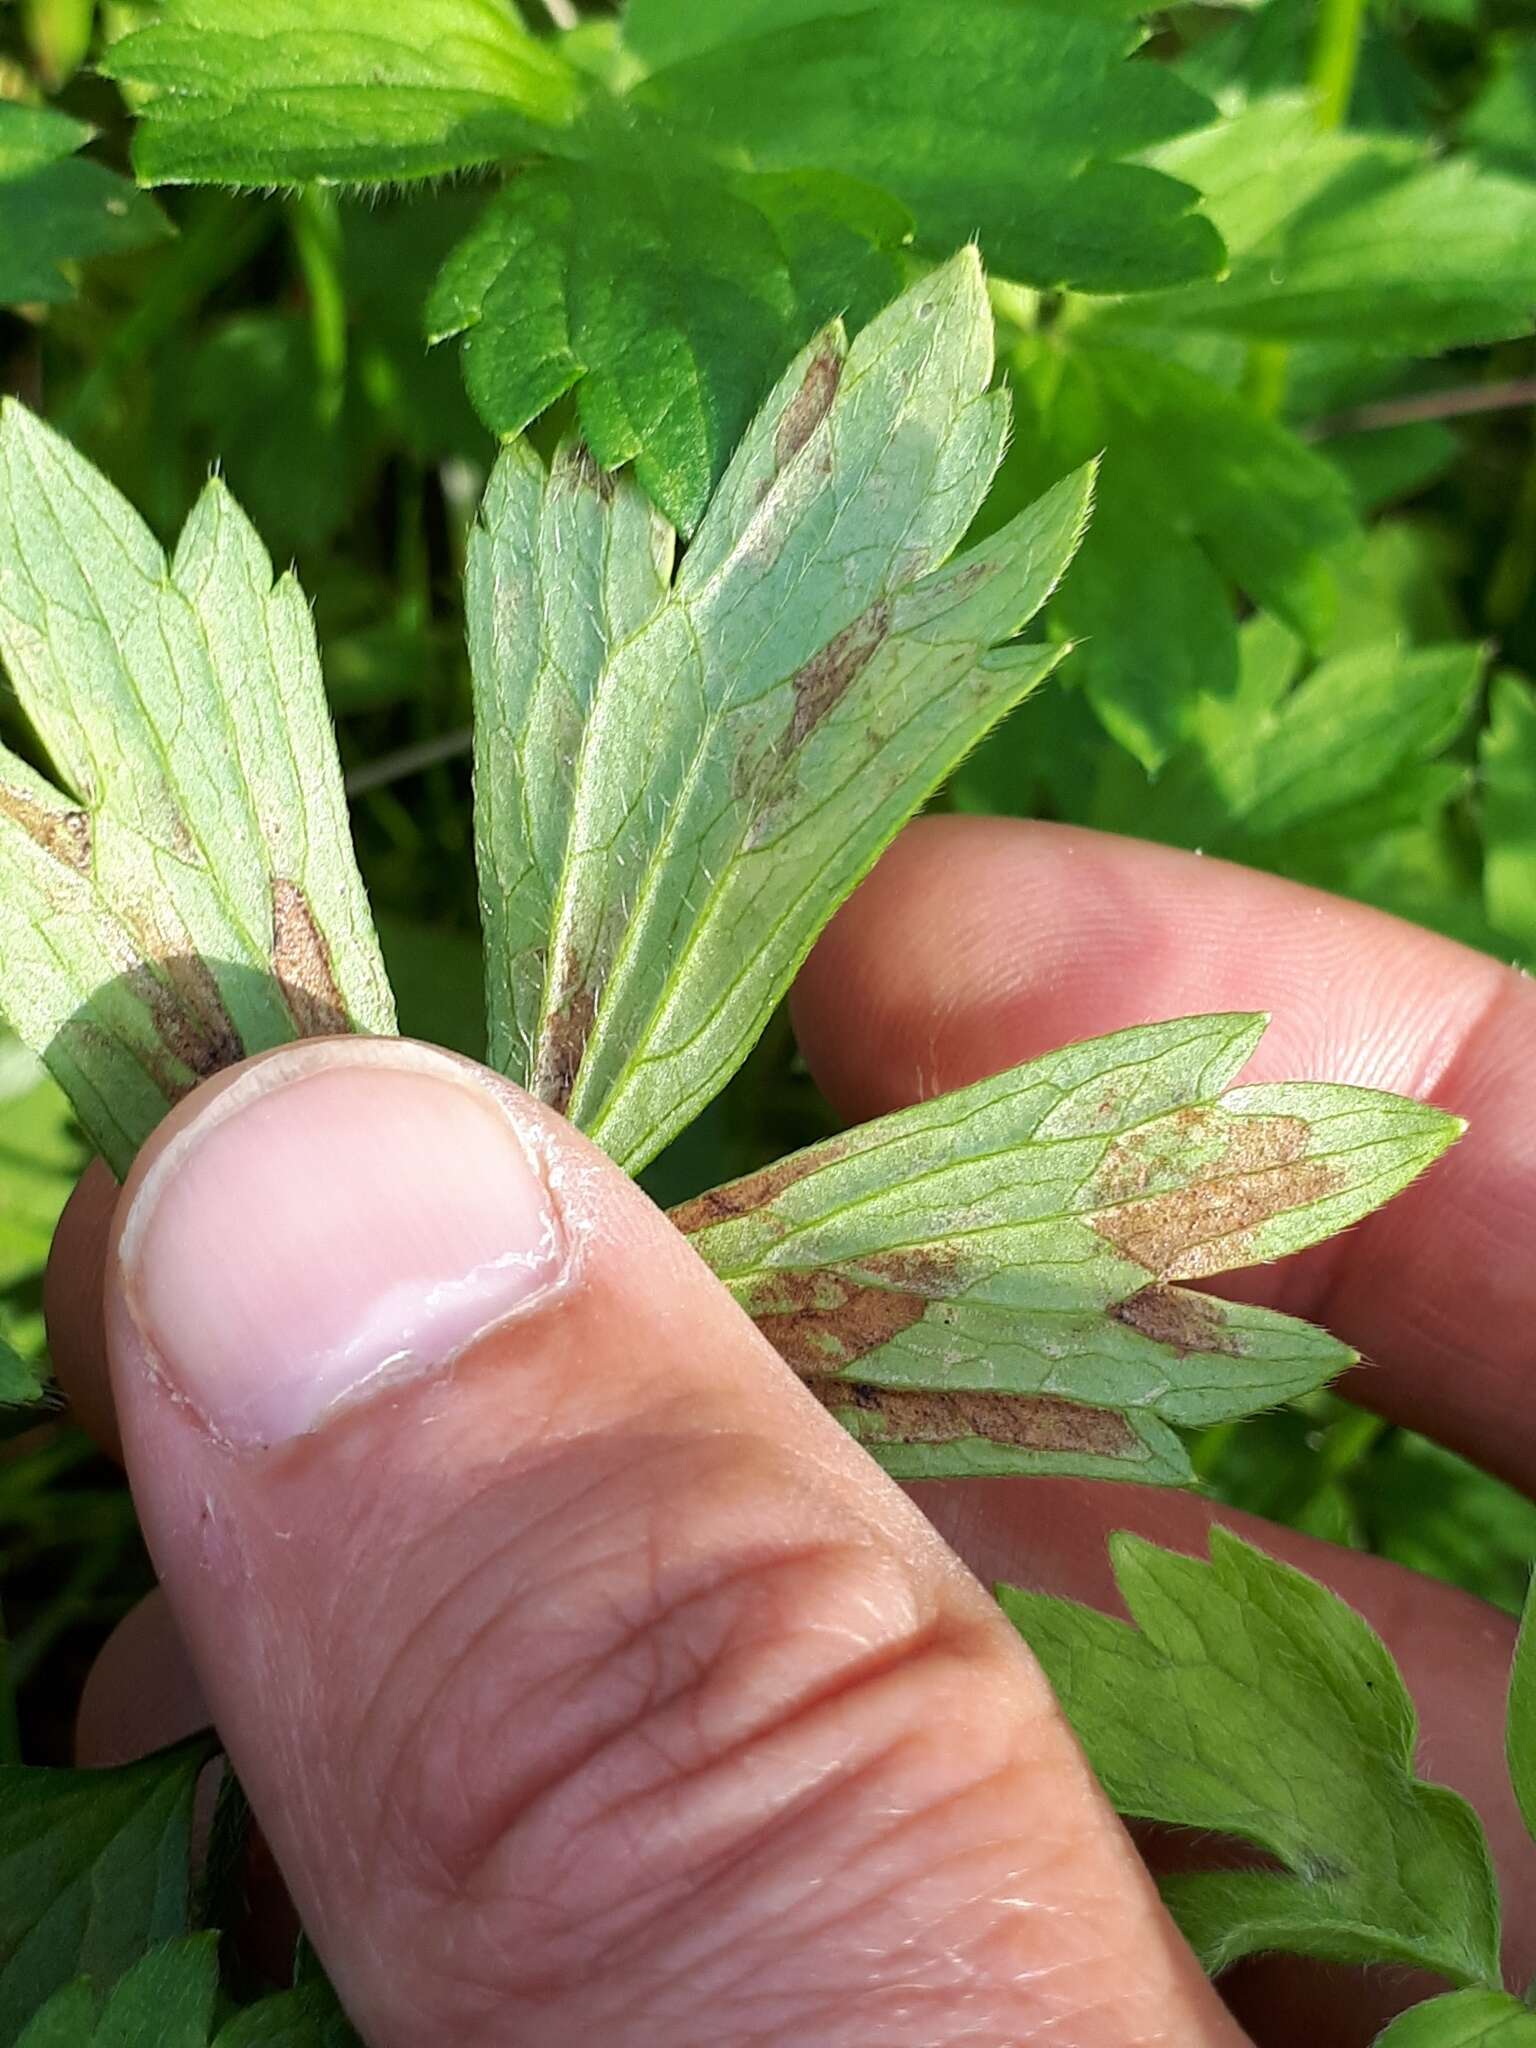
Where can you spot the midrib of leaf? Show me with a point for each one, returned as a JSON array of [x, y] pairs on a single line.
[[164, 589], [656, 868], [873, 1197]]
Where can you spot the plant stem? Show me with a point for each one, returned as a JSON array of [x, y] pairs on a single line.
[[316, 227], [1331, 76], [1508, 394], [1336, 59]]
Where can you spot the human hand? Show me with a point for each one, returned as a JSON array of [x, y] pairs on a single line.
[[584, 1674]]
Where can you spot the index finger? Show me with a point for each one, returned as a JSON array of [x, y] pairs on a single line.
[[981, 942]]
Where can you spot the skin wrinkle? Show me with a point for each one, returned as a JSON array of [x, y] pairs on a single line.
[[797, 1940]]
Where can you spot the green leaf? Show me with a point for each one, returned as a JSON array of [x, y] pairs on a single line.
[[1200, 491], [1520, 1735], [1501, 122], [20, 1380], [165, 2001], [295, 90], [678, 782], [306, 2017], [41, 1158], [1507, 756], [1249, 1700], [1365, 236], [188, 893], [93, 1872], [1463, 2019], [57, 208], [1252, 1702], [1358, 724], [668, 292], [1009, 120], [989, 1281]]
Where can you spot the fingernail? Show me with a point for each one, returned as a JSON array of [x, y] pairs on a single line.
[[348, 1215]]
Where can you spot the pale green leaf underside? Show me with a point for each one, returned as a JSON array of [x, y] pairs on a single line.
[[1463, 2019], [679, 781], [57, 207], [1249, 1700], [188, 891], [1029, 1237], [324, 89]]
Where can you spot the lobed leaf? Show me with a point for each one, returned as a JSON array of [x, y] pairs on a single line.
[[1364, 723], [57, 207], [1200, 491], [1009, 120], [1368, 236], [298, 90], [990, 1281], [93, 1872], [188, 893], [168, 2000], [1249, 1700], [668, 291], [678, 781]]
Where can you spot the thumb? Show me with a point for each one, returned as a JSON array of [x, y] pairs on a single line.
[[582, 1673]]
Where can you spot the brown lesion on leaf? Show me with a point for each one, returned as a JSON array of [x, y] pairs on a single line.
[[809, 406], [827, 676], [563, 1038], [1187, 1323], [1034, 1422], [585, 471], [66, 835], [829, 1316], [1211, 1224], [753, 1191], [301, 960], [190, 1019]]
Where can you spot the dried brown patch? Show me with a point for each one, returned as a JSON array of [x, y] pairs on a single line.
[[809, 406], [579, 461], [301, 960], [1209, 1225], [1035, 1422], [190, 1019], [64, 834], [1184, 1322], [1142, 1156], [752, 1191], [563, 1041], [827, 676], [830, 1316]]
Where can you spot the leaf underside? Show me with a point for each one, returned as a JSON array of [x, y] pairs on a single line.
[[995, 1280], [679, 780], [186, 893], [680, 772]]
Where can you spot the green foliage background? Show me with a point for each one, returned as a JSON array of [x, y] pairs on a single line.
[[1306, 609]]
